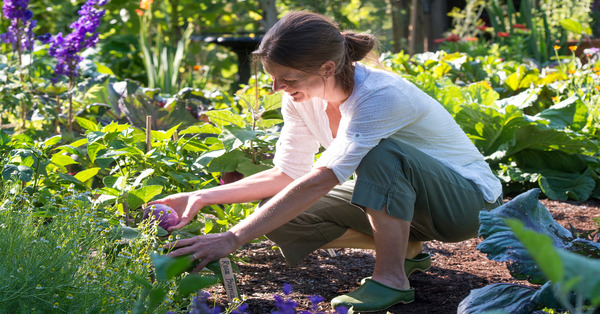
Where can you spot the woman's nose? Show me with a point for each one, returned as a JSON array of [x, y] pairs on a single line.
[[277, 85]]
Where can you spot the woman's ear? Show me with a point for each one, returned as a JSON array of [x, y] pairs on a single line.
[[328, 68]]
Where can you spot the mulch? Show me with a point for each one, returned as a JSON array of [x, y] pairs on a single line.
[[457, 269]]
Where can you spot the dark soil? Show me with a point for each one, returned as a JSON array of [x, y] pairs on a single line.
[[457, 269]]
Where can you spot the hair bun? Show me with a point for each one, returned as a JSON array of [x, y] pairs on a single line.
[[358, 45]]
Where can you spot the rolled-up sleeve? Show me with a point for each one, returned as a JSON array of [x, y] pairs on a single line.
[[296, 148]]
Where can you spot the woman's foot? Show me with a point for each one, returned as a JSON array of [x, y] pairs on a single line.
[[373, 296]]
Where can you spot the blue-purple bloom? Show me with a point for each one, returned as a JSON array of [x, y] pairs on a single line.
[[67, 48], [199, 305], [20, 30]]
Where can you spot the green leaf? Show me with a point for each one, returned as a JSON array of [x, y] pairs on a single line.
[[62, 160], [234, 137], [572, 26], [52, 140], [87, 124], [143, 175], [500, 243], [4, 139], [584, 272], [248, 168], [272, 101], [511, 298], [194, 282], [135, 198], [494, 129], [541, 249], [562, 114], [203, 129], [225, 117], [20, 172], [87, 174], [167, 267], [558, 185], [227, 162]]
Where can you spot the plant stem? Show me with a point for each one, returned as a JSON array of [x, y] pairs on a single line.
[[70, 118]]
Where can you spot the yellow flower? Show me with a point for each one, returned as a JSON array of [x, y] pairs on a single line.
[[556, 47], [596, 69], [38, 287], [69, 296], [572, 71], [572, 48], [597, 88], [555, 98], [56, 305]]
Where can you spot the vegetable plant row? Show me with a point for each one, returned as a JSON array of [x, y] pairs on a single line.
[[537, 127]]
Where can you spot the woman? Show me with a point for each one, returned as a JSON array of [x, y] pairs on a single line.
[[417, 176]]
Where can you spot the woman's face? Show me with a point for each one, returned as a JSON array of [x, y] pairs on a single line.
[[301, 86]]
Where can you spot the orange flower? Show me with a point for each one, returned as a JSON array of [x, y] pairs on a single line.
[[471, 38], [596, 69], [197, 67], [571, 71], [572, 48], [556, 47], [597, 88], [139, 12], [145, 4], [502, 34], [555, 98]]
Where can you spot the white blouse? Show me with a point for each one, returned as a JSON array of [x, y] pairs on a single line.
[[382, 105]]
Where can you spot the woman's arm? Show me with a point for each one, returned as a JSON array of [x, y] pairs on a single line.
[[287, 204], [256, 187]]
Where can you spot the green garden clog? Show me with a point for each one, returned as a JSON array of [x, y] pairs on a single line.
[[373, 296], [419, 263]]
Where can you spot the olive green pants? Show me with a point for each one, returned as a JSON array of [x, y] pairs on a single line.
[[403, 181]]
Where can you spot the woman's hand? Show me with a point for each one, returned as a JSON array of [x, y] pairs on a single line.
[[205, 248], [187, 206]]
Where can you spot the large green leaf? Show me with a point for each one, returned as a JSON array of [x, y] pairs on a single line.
[[568, 271], [493, 129], [501, 245], [225, 117], [559, 185], [502, 297], [20, 172], [562, 114], [234, 137], [135, 198], [62, 160], [87, 174], [194, 282], [227, 162], [546, 138], [167, 267]]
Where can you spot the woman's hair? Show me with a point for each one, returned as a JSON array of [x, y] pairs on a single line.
[[304, 41]]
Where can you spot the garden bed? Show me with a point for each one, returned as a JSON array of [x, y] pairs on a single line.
[[457, 269]]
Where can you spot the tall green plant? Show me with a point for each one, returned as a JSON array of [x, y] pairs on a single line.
[[161, 60]]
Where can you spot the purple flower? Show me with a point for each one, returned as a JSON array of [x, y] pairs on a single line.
[[287, 288], [242, 309], [199, 305], [591, 51], [67, 48], [20, 30]]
